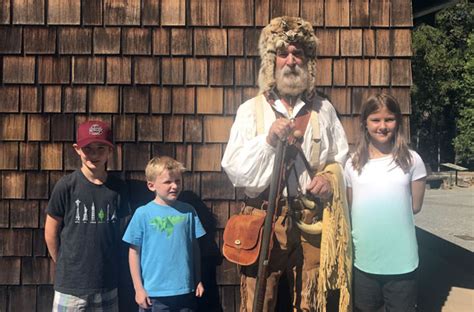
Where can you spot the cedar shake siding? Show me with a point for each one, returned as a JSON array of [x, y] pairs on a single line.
[[168, 75]]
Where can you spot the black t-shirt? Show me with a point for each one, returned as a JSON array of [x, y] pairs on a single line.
[[90, 238]]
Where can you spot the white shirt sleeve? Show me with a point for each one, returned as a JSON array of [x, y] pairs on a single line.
[[418, 169], [335, 147], [348, 171], [248, 159]]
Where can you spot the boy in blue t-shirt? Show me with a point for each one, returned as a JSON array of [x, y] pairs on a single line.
[[164, 254]]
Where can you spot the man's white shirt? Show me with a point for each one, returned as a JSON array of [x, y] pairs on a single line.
[[248, 159]]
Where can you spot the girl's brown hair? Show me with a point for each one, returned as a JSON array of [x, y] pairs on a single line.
[[400, 152]]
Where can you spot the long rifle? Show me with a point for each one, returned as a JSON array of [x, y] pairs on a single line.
[[261, 283]]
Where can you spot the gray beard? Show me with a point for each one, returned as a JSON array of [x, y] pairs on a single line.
[[291, 82]]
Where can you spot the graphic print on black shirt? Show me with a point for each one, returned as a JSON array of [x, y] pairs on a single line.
[[102, 216], [90, 237]]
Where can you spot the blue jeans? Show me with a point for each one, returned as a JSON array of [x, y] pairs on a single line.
[[179, 303]]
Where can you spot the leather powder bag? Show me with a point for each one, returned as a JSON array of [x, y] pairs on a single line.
[[242, 238]]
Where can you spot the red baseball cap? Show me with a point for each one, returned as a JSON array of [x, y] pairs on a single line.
[[94, 131]]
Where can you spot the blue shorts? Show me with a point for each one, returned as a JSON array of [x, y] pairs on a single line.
[[397, 293], [98, 302], [179, 303]]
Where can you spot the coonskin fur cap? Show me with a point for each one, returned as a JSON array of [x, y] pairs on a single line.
[[279, 34]]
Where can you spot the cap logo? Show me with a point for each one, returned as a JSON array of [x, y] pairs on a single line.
[[95, 129]]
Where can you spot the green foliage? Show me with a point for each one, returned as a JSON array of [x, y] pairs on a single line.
[[464, 141], [442, 103]]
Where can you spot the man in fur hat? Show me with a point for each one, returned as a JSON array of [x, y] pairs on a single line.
[[313, 248]]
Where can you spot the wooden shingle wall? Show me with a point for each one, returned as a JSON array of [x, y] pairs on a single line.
[[169, 76]]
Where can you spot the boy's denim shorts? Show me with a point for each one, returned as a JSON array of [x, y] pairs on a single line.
[[179, 303], [98, 302]]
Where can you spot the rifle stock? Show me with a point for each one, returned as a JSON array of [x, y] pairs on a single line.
[[261, 283]]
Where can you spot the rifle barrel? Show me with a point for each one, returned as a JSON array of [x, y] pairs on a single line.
[[261, 282]]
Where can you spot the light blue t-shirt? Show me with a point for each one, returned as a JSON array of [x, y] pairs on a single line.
[[383, 230], [165, 235]]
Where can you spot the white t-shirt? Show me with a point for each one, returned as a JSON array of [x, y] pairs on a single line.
[[383, 229]]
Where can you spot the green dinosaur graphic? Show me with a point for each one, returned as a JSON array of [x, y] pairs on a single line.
[[166, 224]]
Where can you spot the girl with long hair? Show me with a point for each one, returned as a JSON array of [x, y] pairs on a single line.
[[385, 187]]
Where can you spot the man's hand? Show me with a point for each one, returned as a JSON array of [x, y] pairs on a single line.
[[142, 299], [199, 290], [279, 130], [320, 187]]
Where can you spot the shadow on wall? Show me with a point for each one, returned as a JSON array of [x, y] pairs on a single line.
[[443, 265], [210, 254]]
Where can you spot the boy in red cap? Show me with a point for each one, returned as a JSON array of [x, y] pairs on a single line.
[[82, 229]]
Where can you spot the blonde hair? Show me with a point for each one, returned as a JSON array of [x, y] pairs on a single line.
[[400, 152], [158, 164]]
